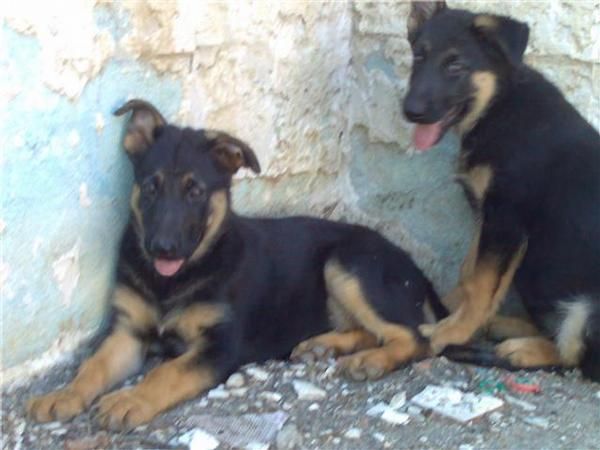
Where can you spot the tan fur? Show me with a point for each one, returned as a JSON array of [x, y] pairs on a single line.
[[335, 343], [119, 357], [478, 180], [484, 84], [505, 327], [165, 386], [570, 335], [218, 212], [399, 343], [529, 352], [485, 21], [134, 203], [194, 320], [135, 313], [481, 296]]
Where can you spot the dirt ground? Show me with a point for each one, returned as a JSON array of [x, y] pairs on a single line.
[[264, 407]]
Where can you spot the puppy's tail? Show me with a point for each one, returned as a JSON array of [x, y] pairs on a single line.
[[485, 356]]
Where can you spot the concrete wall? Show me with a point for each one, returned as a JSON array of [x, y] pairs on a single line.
[[314, 87]]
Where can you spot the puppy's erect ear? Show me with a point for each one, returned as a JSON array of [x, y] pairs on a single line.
[[144, 121], [231, 153], [421, 12], [507, 35]]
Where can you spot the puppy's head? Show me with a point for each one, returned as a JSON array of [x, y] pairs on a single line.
[[180, 199], [460, 60]]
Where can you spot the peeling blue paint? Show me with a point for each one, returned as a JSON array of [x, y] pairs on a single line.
[[50, 146]]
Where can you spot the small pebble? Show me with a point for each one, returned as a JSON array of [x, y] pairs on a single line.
[[271, 396], [257, 374], [313, 407], [466, 447], [308, 391], [379, 437], [398, 400], [336, 440], [236, 380], [396, 418], [537, 421], [288, 438], [239, 392], [218, 394]]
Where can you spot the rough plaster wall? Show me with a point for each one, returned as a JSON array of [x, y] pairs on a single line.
[[314, 87]]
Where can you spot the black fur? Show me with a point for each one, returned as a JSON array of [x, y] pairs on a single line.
[[543, 155], [269, 272]]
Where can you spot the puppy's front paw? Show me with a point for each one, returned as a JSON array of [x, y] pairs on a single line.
[[60, 405], [124, 410], [446, 332]]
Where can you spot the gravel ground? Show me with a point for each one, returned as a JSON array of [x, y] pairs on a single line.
[[260, 409]]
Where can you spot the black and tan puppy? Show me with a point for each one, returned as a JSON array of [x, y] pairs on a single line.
[[530, 165], [214, 290]]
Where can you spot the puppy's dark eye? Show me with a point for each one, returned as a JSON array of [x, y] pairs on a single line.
[[455, 67], [150, 187], [194, 191]]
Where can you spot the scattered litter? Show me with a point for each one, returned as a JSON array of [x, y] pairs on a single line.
[[491, 386], [241, 430], [522, 385], [456, 404], [395, 417], [236, 380], [197, 439], [537, 421], [353, 433], [377, 410], [398, 400], [258, 374], [522, 403], [308, 391]]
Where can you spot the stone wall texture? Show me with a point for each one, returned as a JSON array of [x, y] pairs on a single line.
[[315, 87]]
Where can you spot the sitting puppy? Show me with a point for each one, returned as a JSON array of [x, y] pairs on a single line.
[[213, 290], [530, 166]]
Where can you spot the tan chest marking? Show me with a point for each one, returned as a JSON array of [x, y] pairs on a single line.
[[477, 181]]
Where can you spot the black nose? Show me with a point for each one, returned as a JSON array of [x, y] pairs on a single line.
[[163, 246], [414, 108]]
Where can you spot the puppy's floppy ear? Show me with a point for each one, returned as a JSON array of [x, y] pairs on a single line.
[[143, 123], [231, 153], [421, 12], [507, 35]]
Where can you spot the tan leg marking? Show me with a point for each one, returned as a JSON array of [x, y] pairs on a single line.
[[529, 352], [164, 387], [134, 312], [333, 344], [119, 357], [481, 295], [452, 300], [399, 343], [505, 327]]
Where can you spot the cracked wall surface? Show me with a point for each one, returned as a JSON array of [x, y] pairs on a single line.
[[314, 87]]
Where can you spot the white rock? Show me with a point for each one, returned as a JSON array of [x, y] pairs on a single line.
[[598, 395], [313, 407], [218, 393], [257, 446], [353, 433], [377, 410], [395, 417], [379, 437], [239, 392], [198, 439], [236, 380], [258, 374], [466, 447], [537, 421], [398, 400], [271, 396], [308, 391]]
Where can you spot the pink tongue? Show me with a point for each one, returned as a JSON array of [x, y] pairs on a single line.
[[167, 267], [425, 136]]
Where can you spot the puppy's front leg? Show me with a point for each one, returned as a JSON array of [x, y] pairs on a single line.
[[119, 356], [165, 386], [500, 249]]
